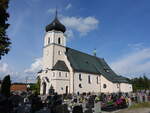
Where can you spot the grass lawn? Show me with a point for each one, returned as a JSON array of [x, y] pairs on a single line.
[[140, 105]]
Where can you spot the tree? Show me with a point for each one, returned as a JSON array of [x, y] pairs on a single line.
[[38, 85], [5, 87], [141, 83], [4, 40]]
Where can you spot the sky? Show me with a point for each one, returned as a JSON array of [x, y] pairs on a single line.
[[118, 29]]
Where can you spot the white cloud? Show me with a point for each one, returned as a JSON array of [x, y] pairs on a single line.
[[20, 76], [51, 10], [135, 63], [82, 25], [3, 67], [35, 66], [69, 34], [68, 6]]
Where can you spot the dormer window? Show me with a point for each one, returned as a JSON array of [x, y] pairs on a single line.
[[59, 41]]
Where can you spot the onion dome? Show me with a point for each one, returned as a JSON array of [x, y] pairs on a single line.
[[55, 25]]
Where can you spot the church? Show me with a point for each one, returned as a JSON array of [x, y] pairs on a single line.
[[70, 71]]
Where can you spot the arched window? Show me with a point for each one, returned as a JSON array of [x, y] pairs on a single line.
[[80, 77], [80, 86], [49, 40], [97, 79], [89, 79], [44, 88], [53, 74], [104, 85], [59, 52], [59, 74], [59, 41]]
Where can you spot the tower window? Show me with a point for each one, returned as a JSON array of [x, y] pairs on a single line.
[[59, 74], [89, 79], [49, 40], [59, 52], [66, 74], [59, 41], [53, 74]]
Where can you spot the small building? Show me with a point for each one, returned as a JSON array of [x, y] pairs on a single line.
[[18, 87], [72, 71]]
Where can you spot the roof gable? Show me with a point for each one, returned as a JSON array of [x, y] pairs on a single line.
[[61, 66]]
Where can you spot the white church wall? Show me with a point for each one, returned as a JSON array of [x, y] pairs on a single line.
[[61, 80], [110, 87], [125, 87], [59, 53], [85, 85], [47, 57]]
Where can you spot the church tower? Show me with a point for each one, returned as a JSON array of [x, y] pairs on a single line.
[[54, 43]]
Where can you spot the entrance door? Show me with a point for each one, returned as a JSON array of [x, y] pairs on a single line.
[[66, 89], [44, 88]]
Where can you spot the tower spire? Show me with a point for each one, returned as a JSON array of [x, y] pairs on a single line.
[[56, 13]]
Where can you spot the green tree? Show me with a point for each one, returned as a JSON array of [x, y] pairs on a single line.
[[5, 87], [146, 82], [38, 85], [4, 40]]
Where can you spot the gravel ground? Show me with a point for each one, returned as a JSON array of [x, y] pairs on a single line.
[[138, 110]]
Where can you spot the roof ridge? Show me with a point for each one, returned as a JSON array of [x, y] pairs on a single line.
[[84, 53]]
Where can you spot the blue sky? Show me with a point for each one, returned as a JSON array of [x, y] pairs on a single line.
[[118, 29]]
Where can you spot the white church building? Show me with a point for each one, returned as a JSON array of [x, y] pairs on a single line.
[[72, 71]]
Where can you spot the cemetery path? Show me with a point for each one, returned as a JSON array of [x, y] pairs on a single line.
[[138, 110]]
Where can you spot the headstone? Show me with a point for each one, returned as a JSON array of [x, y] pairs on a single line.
[[84, 106], [141, 98], [89, 110], [77, 109], [97, 107], [129, 102], [146, 98]]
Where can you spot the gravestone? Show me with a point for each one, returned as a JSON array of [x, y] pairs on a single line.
[[77, 109], [129, 102], [89, 110], [97, 107], [139, 98], [84, 106], [61, 109], [145, 98]]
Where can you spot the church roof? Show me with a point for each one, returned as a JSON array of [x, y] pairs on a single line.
[[82, 62], [61, 66], [55, 25]]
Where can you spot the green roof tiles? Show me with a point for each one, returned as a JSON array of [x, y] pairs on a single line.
[[82, 62]]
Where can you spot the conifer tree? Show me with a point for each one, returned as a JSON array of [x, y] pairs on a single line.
[[5, 87]]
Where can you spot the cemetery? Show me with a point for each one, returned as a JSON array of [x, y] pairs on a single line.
[[32, 102]]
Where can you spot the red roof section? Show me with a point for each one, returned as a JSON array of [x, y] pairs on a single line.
[[18, 87]]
